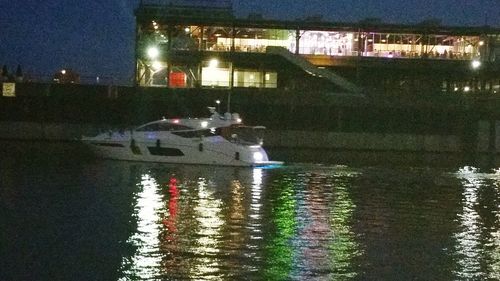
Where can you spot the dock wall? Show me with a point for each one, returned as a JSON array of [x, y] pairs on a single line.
[[61, 132], [316, 120], [364, 141]]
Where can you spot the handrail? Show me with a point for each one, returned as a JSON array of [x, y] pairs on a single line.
[[314, 70]]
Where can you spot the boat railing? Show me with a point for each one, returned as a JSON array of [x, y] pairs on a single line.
[[244, 135]]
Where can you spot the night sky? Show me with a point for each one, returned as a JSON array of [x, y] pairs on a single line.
[[96, 37]]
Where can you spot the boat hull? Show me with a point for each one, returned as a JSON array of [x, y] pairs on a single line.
[[209, 152]]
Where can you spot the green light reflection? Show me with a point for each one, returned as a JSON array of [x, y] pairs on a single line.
[[313, 215], [278, 252], [343, 248]]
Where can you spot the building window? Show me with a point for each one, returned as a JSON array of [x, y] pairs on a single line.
[[216, 38], [185, 37], [215, 73], [247, 78], [252, 78], [271, 80], [329, 43]]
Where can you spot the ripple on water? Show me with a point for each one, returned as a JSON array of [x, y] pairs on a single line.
[[298, 222]]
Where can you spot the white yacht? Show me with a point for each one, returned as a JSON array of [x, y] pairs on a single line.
[[217, 140]]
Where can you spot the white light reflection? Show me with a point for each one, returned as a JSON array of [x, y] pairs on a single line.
[[496, 171], [256, 204], [146, 262], [494, 243], [255, 220], [208, 214], [257, 177], [468, 238]]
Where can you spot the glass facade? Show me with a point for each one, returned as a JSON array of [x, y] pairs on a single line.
[[155, 41], [248, 78], [417, 45], [328, 43], [317, 42], [215, 73]]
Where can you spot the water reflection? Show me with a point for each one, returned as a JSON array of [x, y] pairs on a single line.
[[494, 242], [479, 223], [468, 238], [202, 223], [255, 223], [146, 262], [208, 232], [130, 221], [278, 253], [212, 224], [344, 247], [312, 213]]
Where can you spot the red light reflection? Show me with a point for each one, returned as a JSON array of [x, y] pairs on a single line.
[[170, 222]]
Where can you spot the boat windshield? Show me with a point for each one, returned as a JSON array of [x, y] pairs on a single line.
[[243, 134], [162, 126]]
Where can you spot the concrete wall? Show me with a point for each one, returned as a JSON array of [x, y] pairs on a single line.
[[273, 138], [488, 136], [39, 131], [487, 139], [363, 141]]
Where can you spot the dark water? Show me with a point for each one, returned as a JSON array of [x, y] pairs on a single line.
[[67, 217]]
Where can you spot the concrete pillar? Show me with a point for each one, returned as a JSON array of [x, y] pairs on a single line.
[[297, 41], [169, 47], [233, 36], [231, 78], [201, 45]]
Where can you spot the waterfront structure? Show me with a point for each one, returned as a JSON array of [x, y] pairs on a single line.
[[429, 88], [204, 45]]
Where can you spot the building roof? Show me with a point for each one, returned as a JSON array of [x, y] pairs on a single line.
[[220, 13]]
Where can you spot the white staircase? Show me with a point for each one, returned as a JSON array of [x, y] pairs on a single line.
[[314, 70]]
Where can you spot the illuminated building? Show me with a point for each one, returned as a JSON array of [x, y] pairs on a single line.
[[205, 45]]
